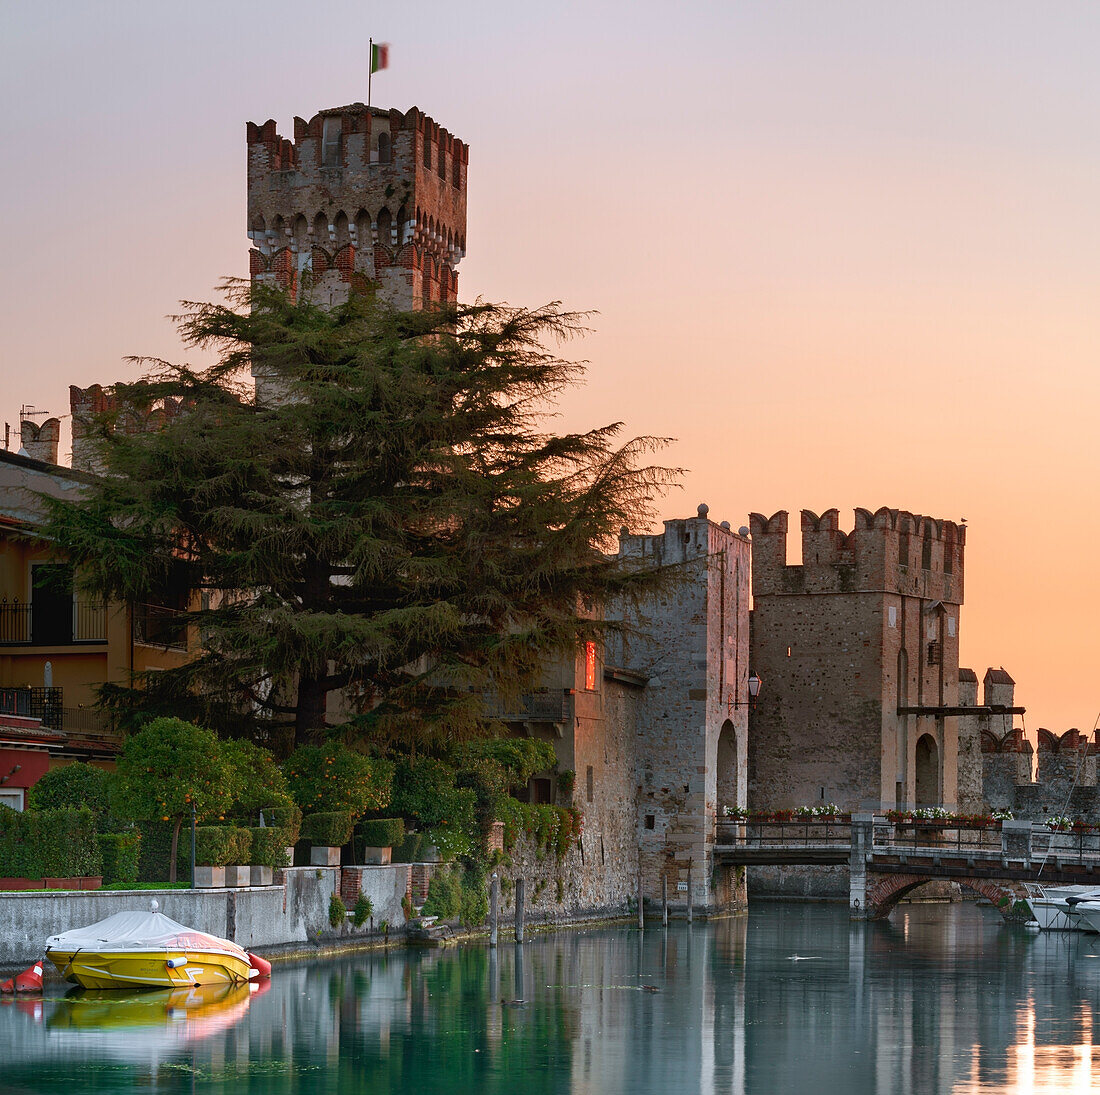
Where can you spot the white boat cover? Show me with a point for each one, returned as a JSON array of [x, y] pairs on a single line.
[[141, 931]]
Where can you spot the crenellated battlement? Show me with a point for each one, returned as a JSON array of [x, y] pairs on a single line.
[[887, 550], [366, 192], [131, 417]]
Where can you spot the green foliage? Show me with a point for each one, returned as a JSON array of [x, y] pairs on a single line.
[[383, 832], [72, 787], [121, 853], [337, 910], [328, 830], [444, 894], [363, 910], [217, 845], [520, 758], [551, 829], [457, 893], [268, 848], [323, 779], [288, 820], [409, 849], [444, 526], [424, 789], [559, 891], [258, 780], [49, 844], [166, 767], [566, 781]]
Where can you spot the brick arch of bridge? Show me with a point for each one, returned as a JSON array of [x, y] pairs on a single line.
[[890, 889]]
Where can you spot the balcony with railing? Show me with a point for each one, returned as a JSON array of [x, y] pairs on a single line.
[[30, 623], [545, 705], [44, 704], [157, 625]]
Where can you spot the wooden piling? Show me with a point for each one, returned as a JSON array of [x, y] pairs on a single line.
[[691, 909], [641, 902], [520, 887], [664, 900], [494, 909]]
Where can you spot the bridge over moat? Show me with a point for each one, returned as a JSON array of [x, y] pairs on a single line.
[[886, 861]]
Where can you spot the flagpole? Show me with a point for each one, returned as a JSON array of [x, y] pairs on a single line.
[[370, 68]]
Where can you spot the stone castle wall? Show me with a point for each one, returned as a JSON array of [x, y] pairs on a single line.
[[865, 625]]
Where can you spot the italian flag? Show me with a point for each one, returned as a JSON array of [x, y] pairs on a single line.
[[379, 56]]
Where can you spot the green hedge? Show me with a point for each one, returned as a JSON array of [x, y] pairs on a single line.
[[49, 844], [382, 832], [287, 818], [121, 853], [329, 830], [217, 845], [268, 847], [408, 851]]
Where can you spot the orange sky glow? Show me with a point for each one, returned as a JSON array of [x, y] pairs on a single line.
[[846, 254]]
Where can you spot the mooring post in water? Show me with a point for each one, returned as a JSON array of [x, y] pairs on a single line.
[[664, 900], [494, 909], [641, 901], [520, 887], [690, 907]]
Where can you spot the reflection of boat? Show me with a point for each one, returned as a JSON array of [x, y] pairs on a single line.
[[144, 1026], [1057, 908], [209, 1007], [143, 950]]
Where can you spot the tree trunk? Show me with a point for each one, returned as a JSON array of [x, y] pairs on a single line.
[[309, 722], [175, 849]]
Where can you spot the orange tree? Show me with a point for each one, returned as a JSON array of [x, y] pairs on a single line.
[[166, 768]]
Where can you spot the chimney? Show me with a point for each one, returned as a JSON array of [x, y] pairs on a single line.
[[40, 441]]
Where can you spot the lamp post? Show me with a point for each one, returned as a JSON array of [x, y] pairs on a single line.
[[754, 690]]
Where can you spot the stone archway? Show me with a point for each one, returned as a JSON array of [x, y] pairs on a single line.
[[884, 895], [726, 767], [927, 771]]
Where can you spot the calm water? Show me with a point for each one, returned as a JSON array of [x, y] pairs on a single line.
[[940, 999]]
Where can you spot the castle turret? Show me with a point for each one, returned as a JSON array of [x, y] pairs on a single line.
[[359, 193]]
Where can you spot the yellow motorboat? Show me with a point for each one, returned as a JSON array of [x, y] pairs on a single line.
[[146, 950]]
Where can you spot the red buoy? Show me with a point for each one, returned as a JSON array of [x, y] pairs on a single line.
[[8, 986], [30, 980], [261, 965]]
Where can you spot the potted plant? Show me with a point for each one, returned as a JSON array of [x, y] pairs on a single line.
[[328, 833], [379, 836], [238, 872]]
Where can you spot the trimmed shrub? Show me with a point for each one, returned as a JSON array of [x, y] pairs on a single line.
[[121, 853], [287, 819], [268, 847], [155, 850], [49, 844], [217, 845], [15, 849], [329, 830], [408, 851], [73, 787], [383, 832]]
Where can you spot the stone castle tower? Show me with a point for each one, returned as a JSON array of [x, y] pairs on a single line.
[[858, 648], [691, 642], [360, 194]]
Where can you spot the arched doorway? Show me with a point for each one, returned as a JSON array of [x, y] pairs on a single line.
[[928, 771], [726, 771]]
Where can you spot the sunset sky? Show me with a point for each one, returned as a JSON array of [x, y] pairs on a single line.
[[847, 254]]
